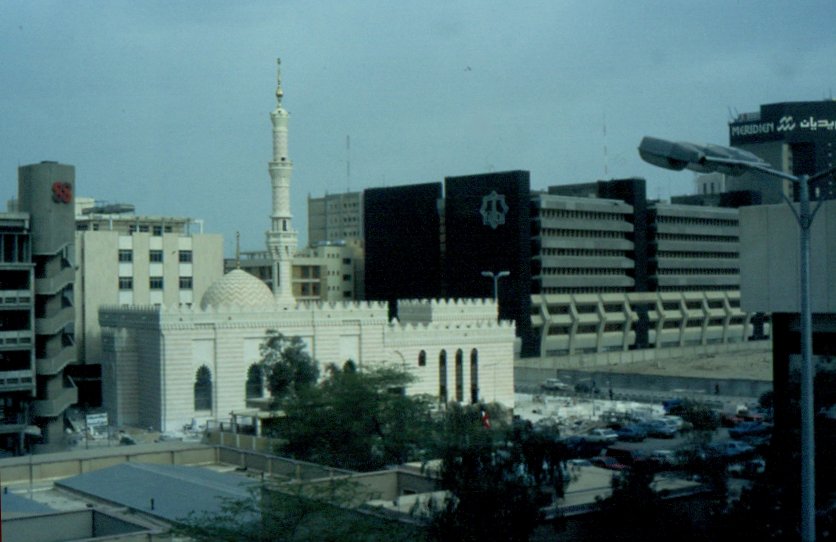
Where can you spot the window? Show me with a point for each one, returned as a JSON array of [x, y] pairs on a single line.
[[185, 283], [185, 256], [347, 261], [442, 376], [422, 359], [155, 255], [474, 376], [143, 228], [255, 382], [459, 376], [155, 283], [158, 230], [346, 278], [126, 283], [126, 256], [203, 389]]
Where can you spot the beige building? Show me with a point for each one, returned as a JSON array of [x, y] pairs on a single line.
[[138, 260], [335, 217]]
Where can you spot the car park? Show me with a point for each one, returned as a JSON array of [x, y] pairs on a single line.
[[730, 449]]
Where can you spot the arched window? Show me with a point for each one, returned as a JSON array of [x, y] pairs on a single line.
[[422, 359], [474, 376], [255, 382], [442, 376], [459, 375], [203, 389]]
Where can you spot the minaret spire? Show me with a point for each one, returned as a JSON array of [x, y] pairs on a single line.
[[281, 238]]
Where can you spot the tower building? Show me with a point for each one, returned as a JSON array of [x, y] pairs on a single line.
[[281, 238]]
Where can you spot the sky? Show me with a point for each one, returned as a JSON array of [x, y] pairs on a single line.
[[166, 105]]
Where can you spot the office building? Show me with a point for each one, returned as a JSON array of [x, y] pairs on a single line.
[[794, 137], [37, 273], [335, 217], [127, 259]]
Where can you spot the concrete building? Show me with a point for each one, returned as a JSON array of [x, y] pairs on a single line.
[[335, 217], [134, 260], [38, 275], [17, 330]]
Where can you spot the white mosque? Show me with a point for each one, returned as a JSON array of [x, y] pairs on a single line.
[[166, 367]]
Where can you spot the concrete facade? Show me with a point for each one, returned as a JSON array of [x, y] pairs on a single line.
[[335, 217], [456, 350]]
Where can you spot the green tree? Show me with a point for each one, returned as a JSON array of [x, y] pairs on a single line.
[[358, 419], [287, 367], [499, 477]]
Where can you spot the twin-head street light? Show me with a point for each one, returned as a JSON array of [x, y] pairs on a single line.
[[495, 277], [714, 158]]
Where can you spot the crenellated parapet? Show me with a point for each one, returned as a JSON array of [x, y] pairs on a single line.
[[446, 310]]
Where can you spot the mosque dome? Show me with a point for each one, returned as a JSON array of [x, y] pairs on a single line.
[[237, 288]]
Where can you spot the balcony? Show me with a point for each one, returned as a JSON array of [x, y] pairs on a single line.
[[15, 298], [17, 381], [55, 364], [16, 339], [55, 406], [55, 283], [55, 323]]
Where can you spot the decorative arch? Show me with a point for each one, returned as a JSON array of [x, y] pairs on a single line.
[[422, 359], [255, 382], [459, 375], [203, 389], [442, 376], [474, 376]]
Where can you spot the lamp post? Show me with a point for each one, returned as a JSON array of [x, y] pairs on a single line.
[[731, 161], [495, 277]]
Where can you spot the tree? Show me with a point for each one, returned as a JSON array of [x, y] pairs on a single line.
[[287, 367], [358, 419], [499, 478]]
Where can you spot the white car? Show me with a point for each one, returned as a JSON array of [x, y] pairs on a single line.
[[555, 384]]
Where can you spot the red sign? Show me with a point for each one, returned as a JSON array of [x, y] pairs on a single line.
[[62, 192]]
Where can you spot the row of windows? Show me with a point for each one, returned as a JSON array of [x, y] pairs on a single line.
[[731, 271], [585, 215], [700, 255], [598, 234], [696, 238], [699, 288], [459, 374], [567, 271], [155, 283], [581, 252], [696, 221], [144, 228], [156, 256], [585, 290]]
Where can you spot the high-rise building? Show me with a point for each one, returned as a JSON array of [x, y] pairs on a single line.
[[45, 194], [335, 217], [794, 137]]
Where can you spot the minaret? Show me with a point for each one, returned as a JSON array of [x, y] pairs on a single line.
[[281, 239]]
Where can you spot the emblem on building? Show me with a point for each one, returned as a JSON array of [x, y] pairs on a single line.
[[493, 210], [786, 124]]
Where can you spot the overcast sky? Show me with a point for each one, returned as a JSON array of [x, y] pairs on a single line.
[[166, 104]]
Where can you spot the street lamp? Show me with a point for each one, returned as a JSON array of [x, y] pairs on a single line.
[[711, 158], [495, 277]]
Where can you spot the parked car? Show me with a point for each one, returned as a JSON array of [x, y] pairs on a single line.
[[730, 449], [664, 458], [750, 429], [555, 384], [632, 433], [747, 469], [659, 429], [601, 434]]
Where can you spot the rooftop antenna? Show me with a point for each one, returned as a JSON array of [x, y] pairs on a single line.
[[237, 250], [606, 166], [348, 163]]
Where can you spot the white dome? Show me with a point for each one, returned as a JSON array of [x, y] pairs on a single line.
[[237, 288]]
